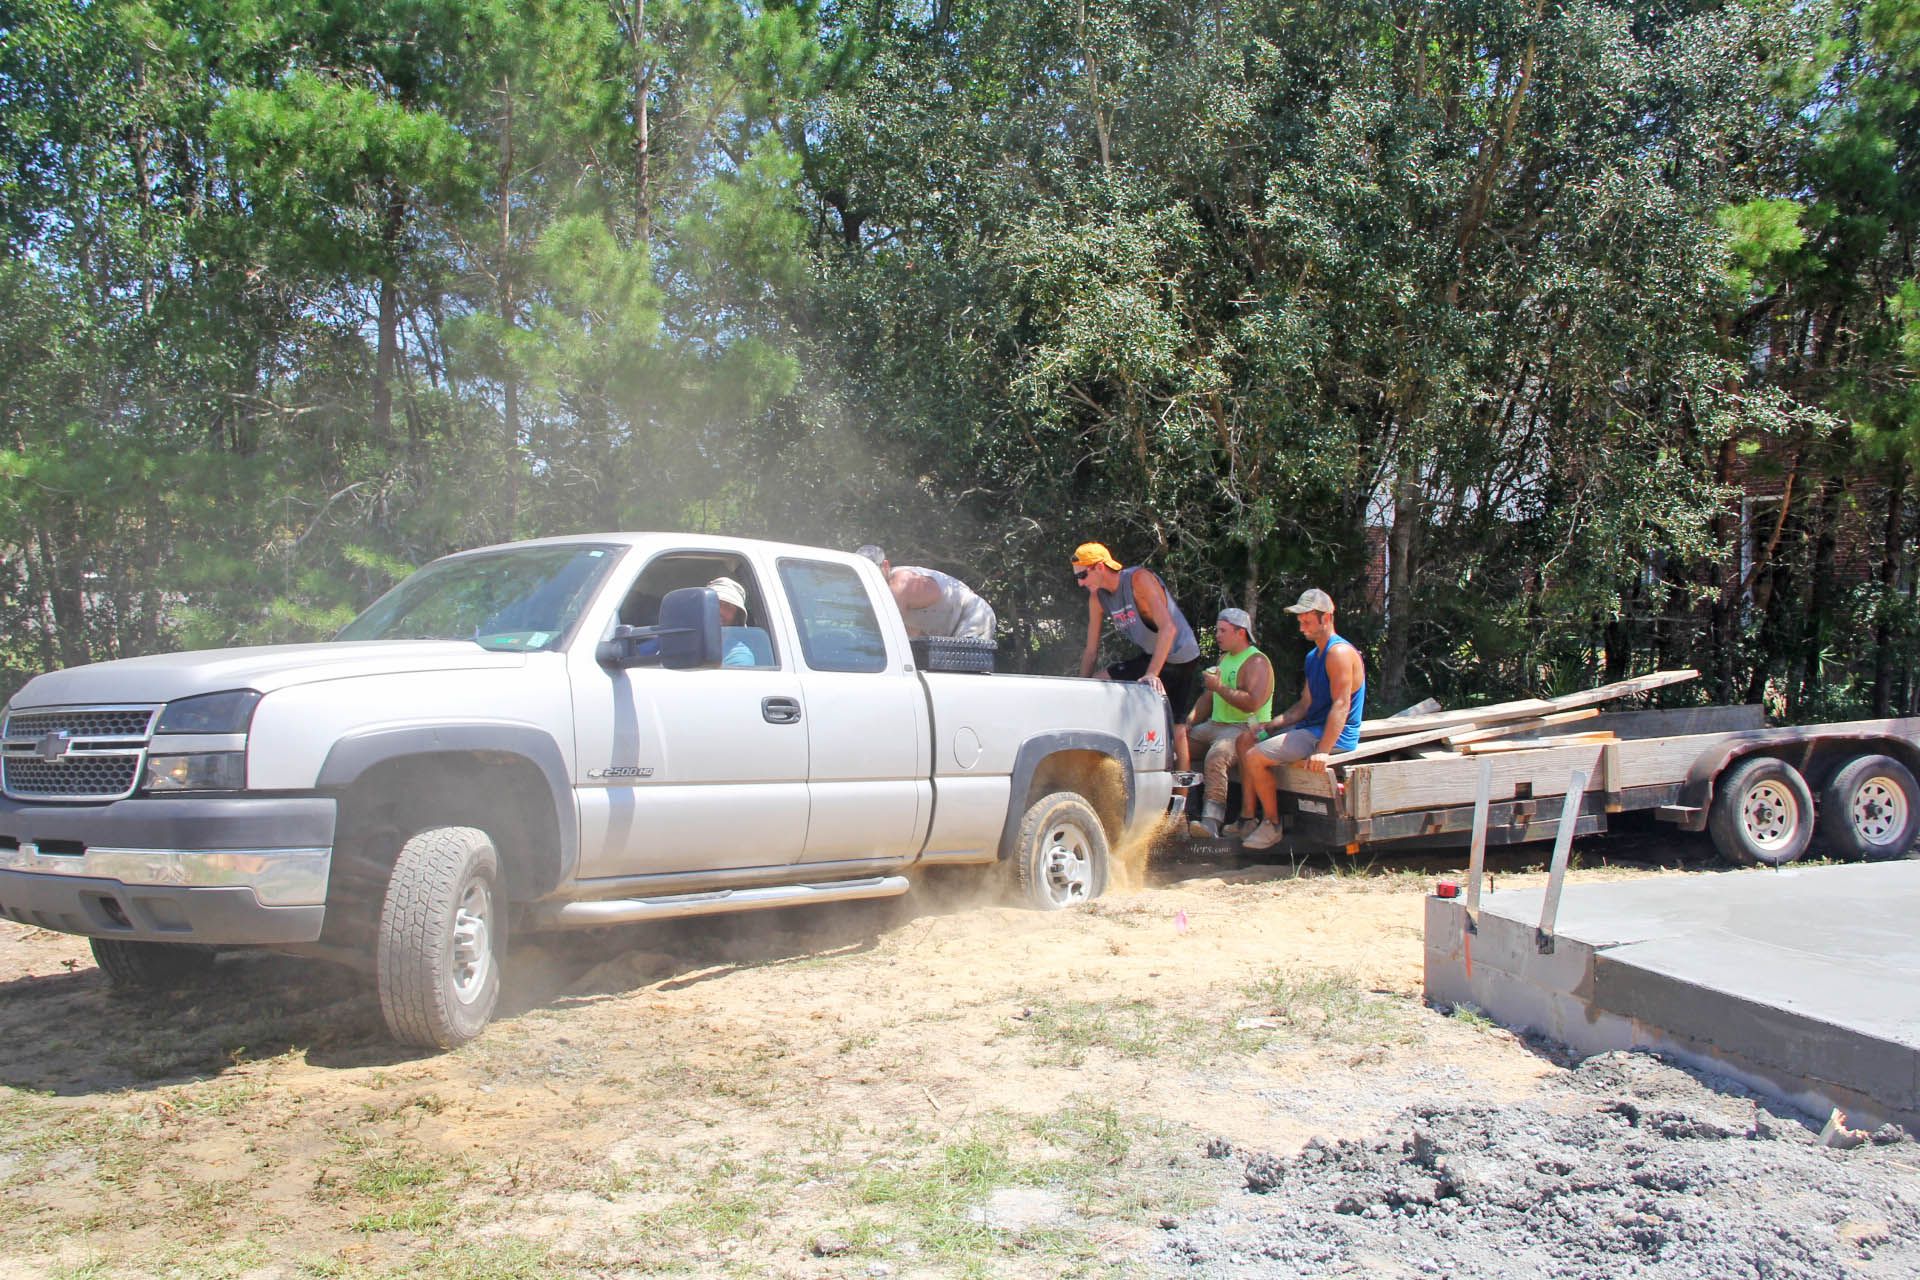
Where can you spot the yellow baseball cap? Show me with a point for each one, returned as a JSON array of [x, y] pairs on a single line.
[[1094, 553]]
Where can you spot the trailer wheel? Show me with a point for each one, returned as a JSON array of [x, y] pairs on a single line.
[[1060, 853], [152, 966], [1870, 810], [443, 933], [1762, 813]]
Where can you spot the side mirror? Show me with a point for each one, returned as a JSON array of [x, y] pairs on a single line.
[[687, 637], [689, 629]]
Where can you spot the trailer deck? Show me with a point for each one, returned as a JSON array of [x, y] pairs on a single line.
[[1802, 983]]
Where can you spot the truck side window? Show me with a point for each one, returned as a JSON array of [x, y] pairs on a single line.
[[838, 630]]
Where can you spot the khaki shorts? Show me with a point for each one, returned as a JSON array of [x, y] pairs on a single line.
[[1293, 745]]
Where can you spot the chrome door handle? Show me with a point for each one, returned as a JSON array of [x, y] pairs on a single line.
[[780, 710]]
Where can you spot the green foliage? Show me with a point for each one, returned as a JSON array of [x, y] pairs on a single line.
[[1254, 292]]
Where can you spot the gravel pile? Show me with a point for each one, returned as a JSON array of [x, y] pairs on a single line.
[[1625, 1167]]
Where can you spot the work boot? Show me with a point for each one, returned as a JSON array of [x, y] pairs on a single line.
[[1208, 825], [1240, 828], [1264, 836]]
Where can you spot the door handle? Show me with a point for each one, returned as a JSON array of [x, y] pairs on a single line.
[[780, 710]]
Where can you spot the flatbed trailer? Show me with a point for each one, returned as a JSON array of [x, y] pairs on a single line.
[[1765, 794]]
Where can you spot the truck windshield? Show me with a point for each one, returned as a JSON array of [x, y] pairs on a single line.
[[517, 600]]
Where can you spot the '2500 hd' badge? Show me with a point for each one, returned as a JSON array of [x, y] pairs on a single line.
[[622, 771]]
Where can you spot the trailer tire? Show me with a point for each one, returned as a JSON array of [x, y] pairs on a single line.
[[1871, 810], [151, 966], [1762, 813], [1060, 853], [443, 935]]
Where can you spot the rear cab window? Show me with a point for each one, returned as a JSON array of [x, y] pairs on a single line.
[[834, 615]]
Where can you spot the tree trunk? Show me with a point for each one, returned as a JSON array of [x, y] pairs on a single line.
[[65, 597], [509, 377], [1883, 658], [642, 126], [1400, 551], [387, 351], [1822, 592]]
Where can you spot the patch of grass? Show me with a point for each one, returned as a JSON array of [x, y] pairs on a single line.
[[1331, 1005], [509, 1259], [1068, 1031], [421, 1213], [395, 1173], [1473, 1016]]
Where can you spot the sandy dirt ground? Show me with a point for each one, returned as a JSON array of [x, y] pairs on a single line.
[[933, 1086]]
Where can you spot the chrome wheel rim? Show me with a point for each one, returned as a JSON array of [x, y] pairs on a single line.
[[1066, 866], [1770, 814], [1878, 810], [472, 942]]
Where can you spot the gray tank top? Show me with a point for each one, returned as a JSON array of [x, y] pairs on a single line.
[[959, 612], [1126, 619]]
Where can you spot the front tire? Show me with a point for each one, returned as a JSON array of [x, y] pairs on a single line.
[[151, 966], [1762, 813], [443, 935], [1060, 853], [1870, 810]]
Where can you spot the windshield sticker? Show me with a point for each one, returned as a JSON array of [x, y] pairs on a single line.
[[537, 639]]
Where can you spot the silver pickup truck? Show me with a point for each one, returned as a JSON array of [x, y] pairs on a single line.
[[546, 735]]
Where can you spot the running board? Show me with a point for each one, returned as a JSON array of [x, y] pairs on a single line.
[[582, 915]]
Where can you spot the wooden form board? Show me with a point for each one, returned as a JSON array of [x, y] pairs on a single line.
[[1525, 708], [1565, 740], [1499, 711], [1521, 726]]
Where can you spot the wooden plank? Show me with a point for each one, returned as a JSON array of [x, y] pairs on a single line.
[[1424, 707], [1399, 785], [1499, 712], [1521, 726], [1303, 781], [1539, 744], [1399, 742], [1623, 689], [1506, 712]]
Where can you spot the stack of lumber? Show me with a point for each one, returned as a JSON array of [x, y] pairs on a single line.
[[1487, 730]]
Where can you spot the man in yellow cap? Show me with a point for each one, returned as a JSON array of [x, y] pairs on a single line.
[[1138, 605]]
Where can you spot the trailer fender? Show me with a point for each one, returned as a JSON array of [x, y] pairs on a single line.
[[1808, 749]]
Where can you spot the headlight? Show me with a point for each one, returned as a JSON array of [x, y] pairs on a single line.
[[228, 712], [203, 771]]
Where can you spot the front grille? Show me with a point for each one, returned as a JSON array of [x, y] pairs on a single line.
[[81, 722], [90, 777], [97, 753]]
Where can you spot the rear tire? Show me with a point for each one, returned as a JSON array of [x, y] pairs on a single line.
[[1060, 853], [1762, 813], [443, 935], [1871, 810], [151, 966]]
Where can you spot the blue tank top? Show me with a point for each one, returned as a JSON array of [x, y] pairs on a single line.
[[1321, 691], [1124, 614]]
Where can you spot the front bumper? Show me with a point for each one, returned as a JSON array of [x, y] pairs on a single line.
[[219, 871]]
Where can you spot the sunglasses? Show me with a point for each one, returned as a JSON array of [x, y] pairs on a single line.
[[1080, 575]]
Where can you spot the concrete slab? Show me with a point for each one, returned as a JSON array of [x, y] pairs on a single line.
[[1803, 983]]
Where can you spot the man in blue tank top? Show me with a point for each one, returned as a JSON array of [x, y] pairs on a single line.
[[1325, 720], [1142, 610]]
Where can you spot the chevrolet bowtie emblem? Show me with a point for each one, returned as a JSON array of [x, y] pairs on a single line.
[[54, 746]]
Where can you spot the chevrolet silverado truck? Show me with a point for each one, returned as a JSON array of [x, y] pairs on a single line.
[[551, 734]]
